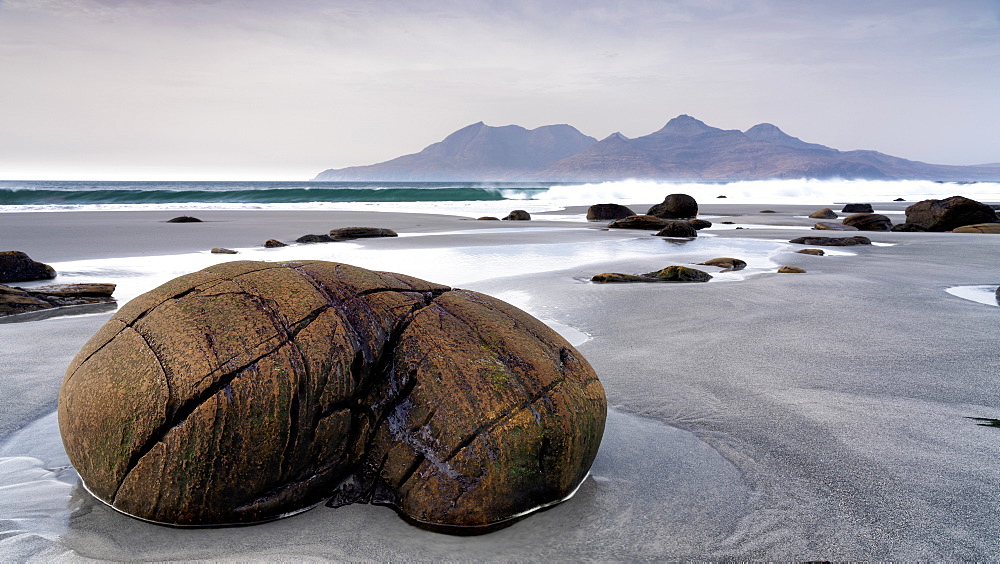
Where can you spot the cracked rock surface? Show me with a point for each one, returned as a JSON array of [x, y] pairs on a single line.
[[251, 390]]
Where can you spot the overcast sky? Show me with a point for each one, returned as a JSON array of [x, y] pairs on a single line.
[[275, 90]]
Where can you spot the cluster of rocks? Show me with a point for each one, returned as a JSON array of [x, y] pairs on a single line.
[[339, 234], [16, 266], [674, 217], [957, 214], [668, 274], [252, 390]]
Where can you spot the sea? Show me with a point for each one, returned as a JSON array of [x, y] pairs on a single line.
[[460, 198]]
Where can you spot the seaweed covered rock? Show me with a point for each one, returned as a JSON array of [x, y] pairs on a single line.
[[675, 206], [251, 390], [605, 212], [949, 213], [668, 274], [16, 266]]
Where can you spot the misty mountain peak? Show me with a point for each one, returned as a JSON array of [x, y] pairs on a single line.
[[686, 125], [771, 134]]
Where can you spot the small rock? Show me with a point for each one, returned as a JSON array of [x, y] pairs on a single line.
[[720, 196], [832, 241], [728, 222], [274, 244], [869, 222], [349, 233], [767, 211], [488, 218], [825, 213], [607, 212], [827, 226], [639, 222], [184, 219], [677, 229], [899, 200], [727, 263], [222, 251], [679, 274], [616, 277], [978, 228], [313, 238], [700, 224], [675, 206], [791, 270], [16, 266], [817, 252], [858, 208], [518, 215]]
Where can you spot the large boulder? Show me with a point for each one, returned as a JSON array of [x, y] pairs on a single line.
[[349, 233], [869, 222], [638, 222], [249, 391], [678, 229], [858, 208], [832, 241], [607, 212], [949, 213], [675, 206], [16, 266]]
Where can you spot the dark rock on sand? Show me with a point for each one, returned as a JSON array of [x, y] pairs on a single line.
[[16, 266], [518, 215], [817, 252], [678, 229], [728, 222], [825, 213], [720, 196], [727, 263], [615, 277], [669, 274], [223, 251], [978, 228], [907, 227], [949, 213], [488, 218], [791, 270], [639, 222], [832, 241], [15, 300], [827, 226], [607, 212], [184, 219], [251, 390], [274, 244], [899, 200], [858, 208], [314, 238], [349, 233], [700, 224], [767, 211], [869, 222], [675, 206]]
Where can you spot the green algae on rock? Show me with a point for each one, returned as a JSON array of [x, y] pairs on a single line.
[[249, 391]]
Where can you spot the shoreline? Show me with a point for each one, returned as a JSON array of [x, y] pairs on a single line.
[[813, 416]]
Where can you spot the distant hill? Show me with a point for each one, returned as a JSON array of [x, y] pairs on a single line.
[[684, 149]]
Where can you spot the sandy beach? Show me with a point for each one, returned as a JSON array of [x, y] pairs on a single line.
[[761, 416]]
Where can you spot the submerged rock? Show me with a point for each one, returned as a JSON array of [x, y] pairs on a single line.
[[605, 212], [16, 266], [858, 208], [638, 222], [675, 206], [832, 241], [669, 274], [869, 222], [314, 238], [488, 218], [816, 252], [349, 233], [727, 263], [949, 213], [14, 300], [518, 215], [825, 213], [251, 390]]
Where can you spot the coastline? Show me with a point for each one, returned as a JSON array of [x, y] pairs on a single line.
[[767, 416]]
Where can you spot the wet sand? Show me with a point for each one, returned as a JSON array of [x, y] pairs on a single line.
[[763, 416]]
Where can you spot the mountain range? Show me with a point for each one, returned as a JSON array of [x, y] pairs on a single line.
[[685, 149]]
